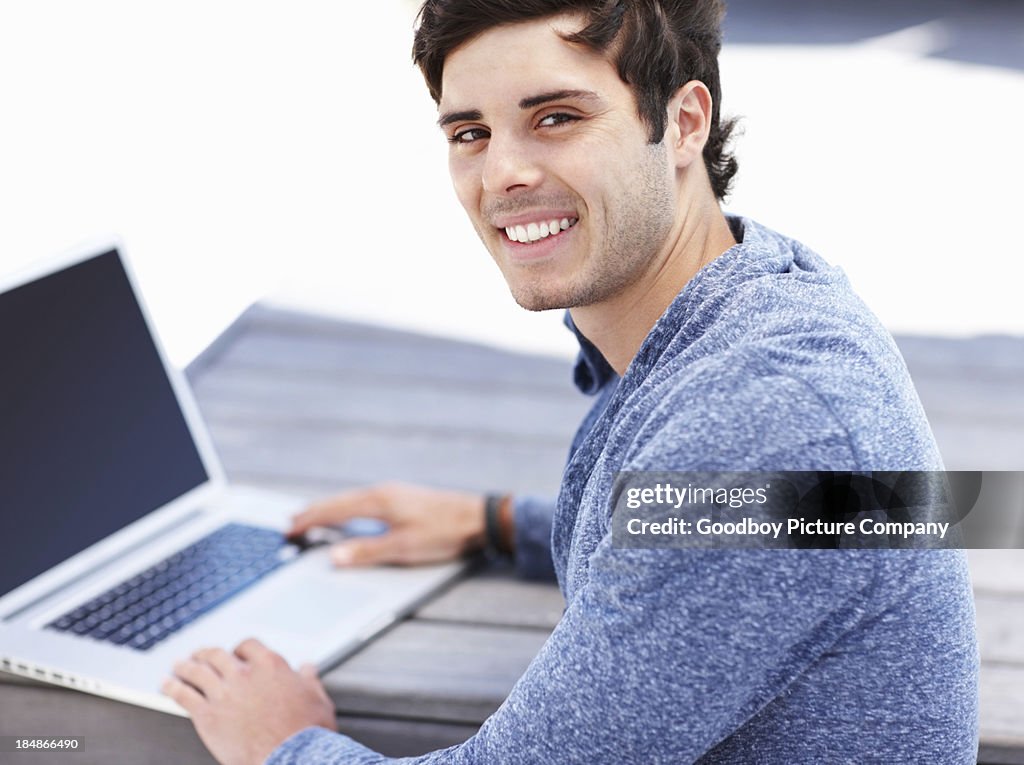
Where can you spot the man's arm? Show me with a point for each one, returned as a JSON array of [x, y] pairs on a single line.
[[659, 657]]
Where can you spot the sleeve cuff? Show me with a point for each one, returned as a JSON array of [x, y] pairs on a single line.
[[533, 519], [319, 746]]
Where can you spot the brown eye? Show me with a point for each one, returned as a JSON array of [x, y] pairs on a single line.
[[558, 118], [469, 135]]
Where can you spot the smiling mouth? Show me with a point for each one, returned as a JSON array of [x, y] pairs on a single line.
[[534, 232]]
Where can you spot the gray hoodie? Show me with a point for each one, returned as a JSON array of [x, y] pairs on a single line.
[[765, 361]]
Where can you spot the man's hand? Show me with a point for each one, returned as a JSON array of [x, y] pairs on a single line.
[[425, 525], [246, 704]]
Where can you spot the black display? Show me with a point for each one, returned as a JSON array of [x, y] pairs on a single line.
[[92, 436]]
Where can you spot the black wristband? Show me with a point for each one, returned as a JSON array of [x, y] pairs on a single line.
[[492, 524]]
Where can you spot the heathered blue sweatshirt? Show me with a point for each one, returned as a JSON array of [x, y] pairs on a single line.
[[765, 361]]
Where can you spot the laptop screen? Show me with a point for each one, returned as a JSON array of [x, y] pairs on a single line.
[[92, 436]]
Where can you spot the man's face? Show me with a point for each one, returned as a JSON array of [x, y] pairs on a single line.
[[552, 163]]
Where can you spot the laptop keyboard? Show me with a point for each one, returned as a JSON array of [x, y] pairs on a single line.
[[156, 603]]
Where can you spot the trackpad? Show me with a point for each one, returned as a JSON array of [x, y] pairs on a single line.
[[315, 609]]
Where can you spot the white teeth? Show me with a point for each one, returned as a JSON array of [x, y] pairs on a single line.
[[534, 232]]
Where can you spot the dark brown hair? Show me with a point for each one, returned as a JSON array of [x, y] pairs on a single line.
[[656, 45]]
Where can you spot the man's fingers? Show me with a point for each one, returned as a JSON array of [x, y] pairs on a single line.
[[200, 676], [392, 547], [308, 673], [222, 661], [253, 651], [361, 503], [188, 698]]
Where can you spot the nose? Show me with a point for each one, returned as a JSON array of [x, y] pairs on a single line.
[[509, 166]]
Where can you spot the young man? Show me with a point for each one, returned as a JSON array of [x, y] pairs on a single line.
[[588, 151]]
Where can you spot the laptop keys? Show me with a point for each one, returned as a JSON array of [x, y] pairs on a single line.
[[156, 603]]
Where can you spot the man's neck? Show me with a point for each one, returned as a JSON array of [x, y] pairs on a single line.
[[618, 326]]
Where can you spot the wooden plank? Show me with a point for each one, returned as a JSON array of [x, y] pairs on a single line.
[[434, 671], [995, 754], [967, 371], [963, 357], [496, 598], [1001, 628], [263, 354], [958, 358], [997, 571], [121, 733], [458, 364], [973, 392], [998, 404], [211, 354], [113, 732], [6, 678], [1002, 711], [969, 446], [335, 456], [233, 394], [273, 319]]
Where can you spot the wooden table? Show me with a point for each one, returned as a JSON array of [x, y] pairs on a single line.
[[311, 405]]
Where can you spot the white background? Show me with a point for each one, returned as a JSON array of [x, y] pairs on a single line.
[[250, 149]]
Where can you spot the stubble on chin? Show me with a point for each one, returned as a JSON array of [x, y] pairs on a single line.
[[533, 300], [529, 291]]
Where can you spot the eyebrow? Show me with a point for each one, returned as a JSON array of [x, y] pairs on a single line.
[[558, 95], [527, 103], [449, 117]]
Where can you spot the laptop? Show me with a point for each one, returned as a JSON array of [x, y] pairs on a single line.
[[123, 547]]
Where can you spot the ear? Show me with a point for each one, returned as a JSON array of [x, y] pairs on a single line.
[[689, 122]]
